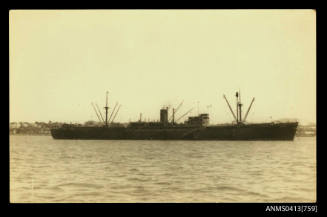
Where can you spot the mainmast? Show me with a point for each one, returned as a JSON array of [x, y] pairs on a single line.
[[238, 107], [106, 108], [238, 116]]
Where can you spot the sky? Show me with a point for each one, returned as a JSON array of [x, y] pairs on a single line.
[[61, 61]]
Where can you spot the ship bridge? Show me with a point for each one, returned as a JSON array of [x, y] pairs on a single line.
[[200, 120]]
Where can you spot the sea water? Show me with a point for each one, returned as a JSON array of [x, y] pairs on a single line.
[[44, 170]]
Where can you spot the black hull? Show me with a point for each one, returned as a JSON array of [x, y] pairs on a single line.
[[264, 131]]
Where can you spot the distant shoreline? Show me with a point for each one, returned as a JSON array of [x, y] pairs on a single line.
[[49, 134], [28, 134], [44, 129]]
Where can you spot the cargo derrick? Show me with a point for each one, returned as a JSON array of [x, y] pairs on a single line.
[[115, 114], [107, 119], [238, 116], [113, 111], [96, 113], [100, 113], [172, 118]]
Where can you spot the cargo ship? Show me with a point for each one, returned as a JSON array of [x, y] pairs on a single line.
[[194, 128]]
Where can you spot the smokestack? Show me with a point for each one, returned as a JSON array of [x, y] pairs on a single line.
[[164, 116]]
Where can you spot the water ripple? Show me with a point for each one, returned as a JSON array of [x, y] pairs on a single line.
[[46, 170], [82, 185]]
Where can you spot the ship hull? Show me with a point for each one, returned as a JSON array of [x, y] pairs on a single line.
[[264, 131]]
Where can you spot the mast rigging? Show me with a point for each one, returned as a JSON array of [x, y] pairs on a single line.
[[115, 114], [99, 112], [246, 115], [96, 112], [113, 111], [184, 114]]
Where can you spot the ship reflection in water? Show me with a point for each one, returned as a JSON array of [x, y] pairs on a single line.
[[46, 170], [195, 128]]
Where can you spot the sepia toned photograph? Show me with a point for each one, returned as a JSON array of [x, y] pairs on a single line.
[[162, 106]]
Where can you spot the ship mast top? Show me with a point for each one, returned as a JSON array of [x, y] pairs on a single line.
[[239, 106], [106, 108]]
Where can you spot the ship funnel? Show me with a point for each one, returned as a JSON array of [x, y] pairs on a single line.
[[164, 115]]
